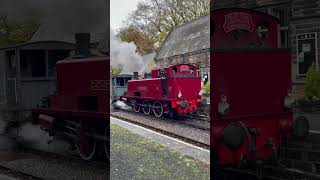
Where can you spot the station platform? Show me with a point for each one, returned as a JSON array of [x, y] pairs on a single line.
[[140, 153]]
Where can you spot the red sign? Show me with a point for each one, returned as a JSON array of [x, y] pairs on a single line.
[[238, 20], [184, 68]]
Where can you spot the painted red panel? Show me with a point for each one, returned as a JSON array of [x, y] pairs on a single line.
[[149, 88], [255, 82], [82, 77], [227, 23]]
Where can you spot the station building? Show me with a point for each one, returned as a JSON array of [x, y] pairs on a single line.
[[27, 71], [188, 43]]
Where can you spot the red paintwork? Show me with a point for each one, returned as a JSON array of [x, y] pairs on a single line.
[[255, 82], [152, 89], [222, 39], [75, 79]]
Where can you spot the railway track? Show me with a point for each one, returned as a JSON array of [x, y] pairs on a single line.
[[13, 173], [21, 153], [301, 155], [265, 172], [196, 121], [185, 139]]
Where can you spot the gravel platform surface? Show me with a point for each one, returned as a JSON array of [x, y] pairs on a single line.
[[53, 169], [167, 125], [135, 157]]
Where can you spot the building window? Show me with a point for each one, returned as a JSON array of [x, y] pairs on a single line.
[[126, 80], [306, 52], [120, 81], [53, 58], [33, 64]]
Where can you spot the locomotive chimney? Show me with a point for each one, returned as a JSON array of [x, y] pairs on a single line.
[[135, 75], [82, 44]]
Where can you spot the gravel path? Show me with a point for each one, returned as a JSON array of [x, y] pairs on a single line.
[[53, 169], [135, 157], [167, 125]]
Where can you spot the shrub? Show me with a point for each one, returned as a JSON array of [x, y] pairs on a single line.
[[312, 86], [207, 88]]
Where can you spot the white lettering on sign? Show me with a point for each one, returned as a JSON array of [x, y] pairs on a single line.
[[99, 85]]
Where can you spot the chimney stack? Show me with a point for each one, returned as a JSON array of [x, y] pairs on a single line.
[[83, 44], [135, 75]]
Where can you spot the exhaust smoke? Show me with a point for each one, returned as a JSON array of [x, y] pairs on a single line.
[[124, 54]]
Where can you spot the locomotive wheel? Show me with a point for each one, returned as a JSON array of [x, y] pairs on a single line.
[[136, 108], [87, 151], [157, 109], [146, 108]]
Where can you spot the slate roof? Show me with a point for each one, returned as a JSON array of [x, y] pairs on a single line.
[[50, 32], [190, 37]]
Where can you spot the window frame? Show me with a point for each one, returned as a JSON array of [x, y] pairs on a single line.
[[297, 50]]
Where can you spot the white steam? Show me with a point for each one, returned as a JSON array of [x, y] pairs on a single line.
[[121, 105], [124, 54], [32, 136]]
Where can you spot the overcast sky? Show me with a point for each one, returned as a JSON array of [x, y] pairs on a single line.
[[119, 10]]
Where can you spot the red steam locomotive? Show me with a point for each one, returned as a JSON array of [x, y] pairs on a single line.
[[252, 93], [172, 90], [78, 111]]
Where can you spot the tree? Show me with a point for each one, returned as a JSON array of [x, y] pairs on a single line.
[[144, 43], [312, 86], [115, 71], [13, 33], [156, 18]]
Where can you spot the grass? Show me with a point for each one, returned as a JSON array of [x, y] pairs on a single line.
[[136, 157]]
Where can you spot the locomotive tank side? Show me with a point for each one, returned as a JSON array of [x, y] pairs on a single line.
[[84, 82]]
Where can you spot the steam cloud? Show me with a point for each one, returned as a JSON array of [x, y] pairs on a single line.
[[32, 136], [75, 15], [124, 54], [121, 105]]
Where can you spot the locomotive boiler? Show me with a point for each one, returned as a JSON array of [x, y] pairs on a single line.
[[252, 102], [173, 90], [78, 110]]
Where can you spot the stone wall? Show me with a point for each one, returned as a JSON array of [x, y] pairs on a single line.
[[199, 58]]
